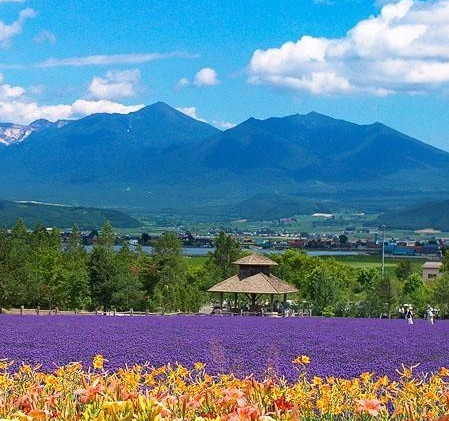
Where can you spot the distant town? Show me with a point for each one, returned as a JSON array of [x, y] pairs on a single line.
[[272, 240]]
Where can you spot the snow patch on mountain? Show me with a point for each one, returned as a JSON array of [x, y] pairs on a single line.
[[11, 133]]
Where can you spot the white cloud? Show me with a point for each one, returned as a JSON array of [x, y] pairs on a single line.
[[23, 112], [17, 107], [115, 84], [8, 92], [8, 32], [45, 36], [182, 83], [82, 107], [191, 112], [405, 48], [101, 60], [223, 124], [206, 77], [106, 60]]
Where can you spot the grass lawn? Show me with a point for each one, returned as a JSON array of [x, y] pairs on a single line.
[[355, 261], [376, 261], [193, 261]]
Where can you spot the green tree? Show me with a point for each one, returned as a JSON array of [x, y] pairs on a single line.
[[17, 266], [128, 290], [102, 269], [107, 236], [445, 267], [415, 292], [404, 269], [51, 263], [441, 293], [324, 291], [76, 279], [194, 289], [171, 271], [306, 272], [7, 282], [367, 279], [146, 270], [387, 292], [330, 287], [220, 261], [295, 267]]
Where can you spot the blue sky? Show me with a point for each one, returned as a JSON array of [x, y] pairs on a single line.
[[225, 61]]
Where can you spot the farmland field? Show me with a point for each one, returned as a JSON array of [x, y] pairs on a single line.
[[242, 345]]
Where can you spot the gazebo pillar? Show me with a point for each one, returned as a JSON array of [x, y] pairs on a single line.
[[221, 300], [253, 299], [272, 302], [285, 299], [235, 300]]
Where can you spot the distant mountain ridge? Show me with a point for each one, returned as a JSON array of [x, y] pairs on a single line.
[[62, 216], [159, 160], [11, 133], [421, 216]]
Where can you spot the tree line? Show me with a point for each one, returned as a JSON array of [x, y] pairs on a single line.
[[36, 269], [334, 288]]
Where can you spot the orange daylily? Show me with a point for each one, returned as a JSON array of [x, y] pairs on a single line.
[[372, 406]]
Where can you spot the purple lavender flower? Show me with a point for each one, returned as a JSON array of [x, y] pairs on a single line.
[[242, 345]]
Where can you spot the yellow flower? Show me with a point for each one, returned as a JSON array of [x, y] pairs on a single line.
[[23, 417], [114, 406], [444, 372], [199, 366], [317, 381], [301, 359], [98, 362], [366, 376], [3, 364], [26, 368]]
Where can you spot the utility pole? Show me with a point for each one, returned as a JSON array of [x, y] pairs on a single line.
[[383, 227]]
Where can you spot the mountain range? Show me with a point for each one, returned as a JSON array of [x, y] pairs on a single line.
[[11, 133], [159, 160]]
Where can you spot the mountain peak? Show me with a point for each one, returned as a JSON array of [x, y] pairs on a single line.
[[158, 108], [41, 124]]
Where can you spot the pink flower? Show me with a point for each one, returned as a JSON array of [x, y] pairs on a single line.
[[372, 406]]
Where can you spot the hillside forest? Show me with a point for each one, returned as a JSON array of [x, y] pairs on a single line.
[[36, 269]]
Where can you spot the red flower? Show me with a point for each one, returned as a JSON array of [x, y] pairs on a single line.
[[282, 404]]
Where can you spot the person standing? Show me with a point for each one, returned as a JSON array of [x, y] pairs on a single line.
[[430, 315], [409, 316]]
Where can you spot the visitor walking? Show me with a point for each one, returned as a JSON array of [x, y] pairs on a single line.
[[409, 316], [430, 315]]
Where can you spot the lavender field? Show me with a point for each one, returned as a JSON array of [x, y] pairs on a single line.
[[242, 345]]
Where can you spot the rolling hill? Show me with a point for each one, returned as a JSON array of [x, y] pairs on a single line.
[[62, 216], [425, 215]]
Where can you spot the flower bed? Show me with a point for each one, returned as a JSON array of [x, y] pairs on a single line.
[[173, 392], [240, 345]]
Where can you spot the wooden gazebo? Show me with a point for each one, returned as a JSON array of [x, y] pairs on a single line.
[[254, 280]]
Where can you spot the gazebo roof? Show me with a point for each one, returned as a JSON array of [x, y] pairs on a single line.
[[259, 283], [256, 260]]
